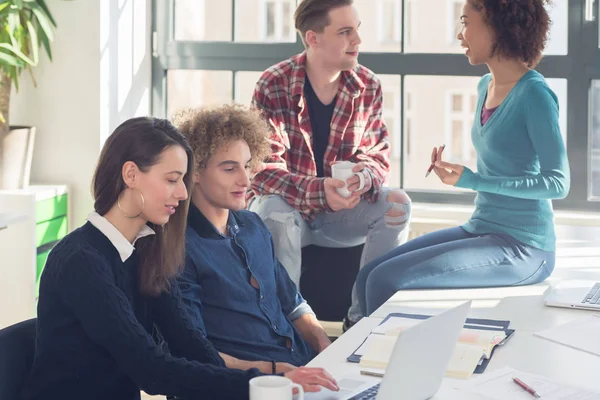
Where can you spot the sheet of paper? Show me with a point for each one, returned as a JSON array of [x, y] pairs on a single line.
[[376, 345], [395, 325], [499, 385], [581, 334], [463, 362], [377, 351]]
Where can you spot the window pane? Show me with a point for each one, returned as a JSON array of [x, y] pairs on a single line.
[[194, 88], [381, 24], [457, 102], [435, 32], [245, 82], [594, 155], [559, 31], [437, 122], [559, 87], [199, 20], [434, 123], [391, 115], [265, 21]]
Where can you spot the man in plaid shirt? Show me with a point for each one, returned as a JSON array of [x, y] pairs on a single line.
[[325, 108]]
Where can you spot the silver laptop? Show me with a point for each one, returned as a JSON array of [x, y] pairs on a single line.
[[418, 362], [573, 295]]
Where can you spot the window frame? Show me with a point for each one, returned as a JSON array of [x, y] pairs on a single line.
[[579, 67]]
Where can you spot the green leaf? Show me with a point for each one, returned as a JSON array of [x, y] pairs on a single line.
[[43, 20], [44, 7], [9, 59], [18, 4], [17, 52], [35, 44], [45, 42], [4, 8]]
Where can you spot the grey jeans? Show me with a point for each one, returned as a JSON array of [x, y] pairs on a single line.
[[366, 223]]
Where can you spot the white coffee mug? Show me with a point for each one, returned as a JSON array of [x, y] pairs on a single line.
[[273, 387], [343, 171]]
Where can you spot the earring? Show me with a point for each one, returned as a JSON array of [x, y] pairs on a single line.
[[123, 212]]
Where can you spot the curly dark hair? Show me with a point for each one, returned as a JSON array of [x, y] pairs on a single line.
[[521, 27], [208, 129]]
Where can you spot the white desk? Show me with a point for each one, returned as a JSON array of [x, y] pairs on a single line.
[[523, 306]]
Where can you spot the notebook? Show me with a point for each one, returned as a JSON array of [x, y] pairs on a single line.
[[472, 353]]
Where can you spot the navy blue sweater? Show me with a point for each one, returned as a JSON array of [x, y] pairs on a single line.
[[94, 333]]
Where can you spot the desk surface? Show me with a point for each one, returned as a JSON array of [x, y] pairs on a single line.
[[523, 306]]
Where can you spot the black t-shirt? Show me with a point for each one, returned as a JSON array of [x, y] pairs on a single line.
[[320, 121]]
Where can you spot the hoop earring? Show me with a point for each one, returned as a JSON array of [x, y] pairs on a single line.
[[124, 213]]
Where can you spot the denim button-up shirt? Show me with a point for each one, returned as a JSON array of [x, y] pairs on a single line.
[[239, 319]]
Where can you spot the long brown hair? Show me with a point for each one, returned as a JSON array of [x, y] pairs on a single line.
[[142, 141]]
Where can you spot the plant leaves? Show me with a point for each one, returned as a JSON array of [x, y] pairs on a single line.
[[44, 7], [43, 20], [9, 59], [34, 43], [17, 52], [4, 8], [45, 42]]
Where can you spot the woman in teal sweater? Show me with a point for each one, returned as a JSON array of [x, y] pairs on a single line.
[[521, 166]]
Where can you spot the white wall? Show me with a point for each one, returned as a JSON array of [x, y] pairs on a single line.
[[98, 79]]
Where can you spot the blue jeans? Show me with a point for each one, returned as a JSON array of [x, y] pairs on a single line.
[[451, 258], [366, 223]]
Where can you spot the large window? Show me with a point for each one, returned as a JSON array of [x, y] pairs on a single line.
[[212, 52], [594, 139]]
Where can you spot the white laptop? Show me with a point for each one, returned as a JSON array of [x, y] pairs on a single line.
[[575, 294], [410, 375]]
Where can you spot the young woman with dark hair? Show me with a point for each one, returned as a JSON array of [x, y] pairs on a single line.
[[521, 166]]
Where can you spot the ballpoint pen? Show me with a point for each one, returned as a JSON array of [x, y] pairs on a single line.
[[526, 387], [442, 147]]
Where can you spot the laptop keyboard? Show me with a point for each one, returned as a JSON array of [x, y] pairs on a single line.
[[593, 297], [367, 394]]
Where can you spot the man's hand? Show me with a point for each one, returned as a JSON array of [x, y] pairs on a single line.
[[335, 200], [447, 172], [354, 182], [312, 379], [284, 368]]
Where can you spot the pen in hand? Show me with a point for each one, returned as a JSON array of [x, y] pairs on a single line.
[[442, 147], [526, 387]]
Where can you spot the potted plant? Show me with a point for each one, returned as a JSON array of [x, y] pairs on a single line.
[[25, 26]]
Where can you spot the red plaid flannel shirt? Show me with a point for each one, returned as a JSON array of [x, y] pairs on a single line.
[[358, 134]]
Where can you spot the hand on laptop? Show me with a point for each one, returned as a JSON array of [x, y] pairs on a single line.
[[283, 367], [312, 379]]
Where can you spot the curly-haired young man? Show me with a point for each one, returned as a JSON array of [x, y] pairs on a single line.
[[323, 108], [521, 166], [240, 295]]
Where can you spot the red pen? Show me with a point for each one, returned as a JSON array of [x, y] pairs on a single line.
[[442, 147], [526, 387]]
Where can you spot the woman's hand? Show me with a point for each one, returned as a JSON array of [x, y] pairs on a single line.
[[312, 379], [447, 172]]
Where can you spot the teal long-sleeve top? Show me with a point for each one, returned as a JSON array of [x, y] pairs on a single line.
[[521, 164]]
